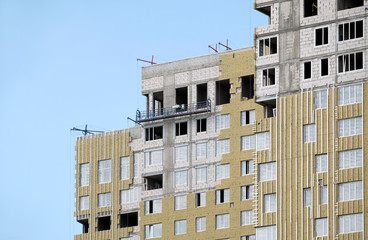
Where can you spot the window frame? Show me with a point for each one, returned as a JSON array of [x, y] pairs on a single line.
[[264, 52], [348, 23], [347, 57], [323, 29]]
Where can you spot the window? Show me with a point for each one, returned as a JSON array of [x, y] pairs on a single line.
[[153, 206], [247, 217], [268, 77], [181, 153], [131, 237], [351, 159], [267, 233], [154, 133], [250, 237], [248, 117], [350, 62], [350, 191], [222, 121], [310, 8], [222, 146], [350, 94], [267, 171], [350, 30], [310, 133], [324, 195], [181, 178], [201, 199], [104, 199], [321, 163], [104, 171], [201, 150], [201, 125], [351, 223], [321, 226], [135, 165], [129, 196], [247, 192], [153, 182], [324, 67], [320, 99], [200, 224], [222, 171], [222, 221], [181, 128], [222, 196], [247, 167], [129, 219], [350, 127], [180, 202], [222, 92], [321, 36], [307, 70], [270, 202], [124, 168], [84, 203], [180, 227], [104, 223], [307, 197], [84, 174], [154, 158], [248, 142], [247, 86], [346, 4], [153, 230], [263, 141], [268, 46], [201, 175]]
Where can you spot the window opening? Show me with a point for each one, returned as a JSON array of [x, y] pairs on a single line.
[[103, 223], [268, 46], [324, 67], [154, 133], [346, 4], [222, 92], [181, 128], [321, 36], [158, 103], [350, 30], [201, 125], [201, 92], [247, 86], [153, 182], [310, 8], [85, 225], [307, 70], [350, 62], [129, 219], [268, 77], [182, 99]]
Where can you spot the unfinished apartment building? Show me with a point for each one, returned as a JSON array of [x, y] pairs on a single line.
[[258, 143]]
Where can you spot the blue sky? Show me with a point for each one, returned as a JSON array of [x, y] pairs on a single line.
[[67, 63]]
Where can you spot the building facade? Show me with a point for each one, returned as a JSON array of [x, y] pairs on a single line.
[[257, 143]]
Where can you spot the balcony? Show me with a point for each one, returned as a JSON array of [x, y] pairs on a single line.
[[174, 111]]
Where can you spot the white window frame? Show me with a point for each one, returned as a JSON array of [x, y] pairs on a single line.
[[200, 224], [307, 197], [180, 202], [84, 174], [264, 47], [201, 150], [202, 200], [222, 221], [323, 194], [222, 146], [129, 195], [222, 171], [266, 82], [153, 231], [249, 237], [246, 167], [181, 153], [200, 125], [181, 175], [250, 119], [266, 233], [347, 58], [355, 93], [262, 141], [350, 191], [321, 227], [267, 171], [150, 158], [156, 206], [104, 171], [247, 192], [201, 174], [321, 162], [226, 194], [180, 227], [84, 203], [248, 142], [222, 122], [270, 203], [246, 217], [350, 127], [125, 168], [351, 223], [309, 133], [104, 199], [323, 37], [351, 158], [321, 99], [349, 26]]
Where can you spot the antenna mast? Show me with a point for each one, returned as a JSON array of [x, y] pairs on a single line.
[[85, 131], [151, 62]]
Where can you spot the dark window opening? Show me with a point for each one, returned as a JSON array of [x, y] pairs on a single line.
[[310, 8], [266, 11], [158, 103], [103, 223], [351, 30], [201, 92], [321, 36], [346, 4], [201, 125], [85, 225], [268, 46], [153, 182], [153, 133], [324, 67], [222, 92], [181, 128], [268, 77], [182, 99], [350, 62], [247, 86], [147, 102], [307, 70], [129, 219], [269, 107]]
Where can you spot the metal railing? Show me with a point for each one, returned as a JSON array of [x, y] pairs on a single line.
[[176, 110]]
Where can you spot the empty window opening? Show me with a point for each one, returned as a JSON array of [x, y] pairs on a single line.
[[153, 182], [85, 225], [346, 4], [182, 99], [201, 125], [324, 67], [147, 102], [247, 86], [268, 46], [222, 92], [350, 30], [307, 70], [153, 133], [321, 36], [181, 128], [201, 93], [158, 103], [350, 62], [129, 219], [103, 223], [268, 77], [310, 8], [269, 107], [266, 11]]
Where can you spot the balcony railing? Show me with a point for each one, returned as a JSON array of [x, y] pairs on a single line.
[[176, 110]]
